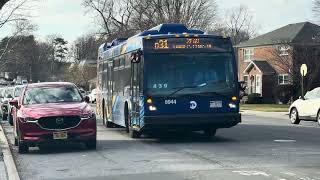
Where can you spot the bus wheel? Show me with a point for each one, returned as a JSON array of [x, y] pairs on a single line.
[[105, 121], [109, 124], [126, 118], [210, 132], [103, 113], [134, 133]]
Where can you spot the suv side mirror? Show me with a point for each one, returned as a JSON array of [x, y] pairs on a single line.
[[87, 99], [14, 103], [301, 97]]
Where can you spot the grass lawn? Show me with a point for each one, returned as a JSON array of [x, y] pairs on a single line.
[[265, 107]]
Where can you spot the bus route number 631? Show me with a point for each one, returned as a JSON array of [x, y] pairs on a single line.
[[170, 101]]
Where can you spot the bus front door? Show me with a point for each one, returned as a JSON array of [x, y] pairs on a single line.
[[135, 94]]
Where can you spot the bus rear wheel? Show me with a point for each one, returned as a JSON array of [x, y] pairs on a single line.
[[210, 132], [105, 121], [126, 118], [134, 133]]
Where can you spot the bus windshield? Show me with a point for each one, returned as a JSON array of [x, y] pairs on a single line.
[[205, 73]]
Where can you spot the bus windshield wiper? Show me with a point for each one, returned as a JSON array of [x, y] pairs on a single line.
[[178, 89], [211, 93]]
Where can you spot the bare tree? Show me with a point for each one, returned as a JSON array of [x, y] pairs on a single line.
[[21, 28], [85, 48], [200, 14], [126, 17], [239, 24], [290, 62], [2, 3], [112, 15], [14, 12], [84, 55]]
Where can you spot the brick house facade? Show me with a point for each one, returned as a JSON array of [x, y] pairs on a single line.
[[259, 59]]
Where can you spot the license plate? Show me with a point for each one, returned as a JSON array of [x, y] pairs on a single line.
[[215, 104], [60, 135]]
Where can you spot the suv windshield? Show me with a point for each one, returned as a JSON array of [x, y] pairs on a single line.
[[42, 95], [205, 72]]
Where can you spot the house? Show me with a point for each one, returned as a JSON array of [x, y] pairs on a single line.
[[273, 59]]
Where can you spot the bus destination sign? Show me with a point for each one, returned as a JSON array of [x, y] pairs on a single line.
[[183, 43]]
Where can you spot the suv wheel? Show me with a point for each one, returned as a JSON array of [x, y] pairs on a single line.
[[10, 119], [294, 116], [15, 141], [23, 148], [318, 117], [91, 144], [210, 132], [4, 117]]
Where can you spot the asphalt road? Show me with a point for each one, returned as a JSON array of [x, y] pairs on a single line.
[[259, 148]]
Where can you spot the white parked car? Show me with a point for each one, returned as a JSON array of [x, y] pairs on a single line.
[[306, 108], [93, 95]]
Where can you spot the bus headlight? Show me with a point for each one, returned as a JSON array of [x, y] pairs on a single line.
[[232, 105], [152, 108]]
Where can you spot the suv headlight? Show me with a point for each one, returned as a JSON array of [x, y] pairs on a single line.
[[90, 115], [27, 120]]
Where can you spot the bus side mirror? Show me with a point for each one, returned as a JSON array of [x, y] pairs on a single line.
[[242, 88], [136, 56]]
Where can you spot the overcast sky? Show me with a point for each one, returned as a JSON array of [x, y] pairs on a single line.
[[69, 19]]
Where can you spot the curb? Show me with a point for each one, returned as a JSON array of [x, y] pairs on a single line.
[[8, 158]]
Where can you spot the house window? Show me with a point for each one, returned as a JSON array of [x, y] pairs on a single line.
[[283, 50], [283, 79], [248, 55], [246, 78], [257, 80]]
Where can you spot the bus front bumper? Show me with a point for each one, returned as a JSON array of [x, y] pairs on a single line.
[[194, 122]]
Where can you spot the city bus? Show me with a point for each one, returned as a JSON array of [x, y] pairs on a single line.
[[168, 78]]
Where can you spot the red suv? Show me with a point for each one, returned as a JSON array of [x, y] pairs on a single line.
[[50, 113]]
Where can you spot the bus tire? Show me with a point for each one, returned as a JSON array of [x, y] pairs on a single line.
[[134, 133], [109, 124], [105, 121], [103, 113], [126, 118], [210, 132]]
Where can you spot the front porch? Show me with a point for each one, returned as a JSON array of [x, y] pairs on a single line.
[[260, 79]]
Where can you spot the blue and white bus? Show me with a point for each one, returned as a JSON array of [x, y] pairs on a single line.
[[168, 77]]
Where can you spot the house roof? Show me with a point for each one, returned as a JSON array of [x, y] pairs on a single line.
[[304, 32], [263, 66]]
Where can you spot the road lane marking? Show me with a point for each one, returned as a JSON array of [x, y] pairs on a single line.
[[284, 140], [252, 173], [289, 173]]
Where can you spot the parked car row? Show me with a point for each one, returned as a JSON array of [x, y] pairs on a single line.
[[7, 94], [44, 113]]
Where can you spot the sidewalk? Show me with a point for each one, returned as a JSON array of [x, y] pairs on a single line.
[[3, 172], [8, 169], [276, 115]]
